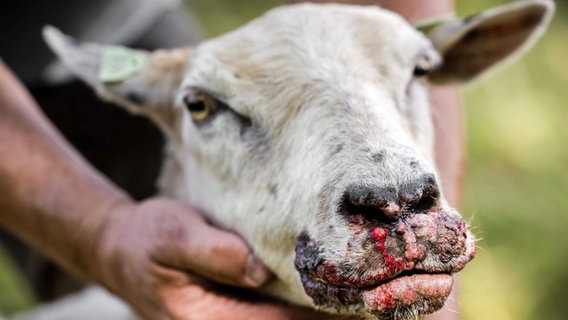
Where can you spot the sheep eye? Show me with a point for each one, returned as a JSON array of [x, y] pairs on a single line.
[[199, 106], [424, 64], [420, 71]]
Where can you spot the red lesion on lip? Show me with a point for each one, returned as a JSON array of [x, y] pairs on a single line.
[[392, 263], [402, 264], [408, 290], [397, 248]]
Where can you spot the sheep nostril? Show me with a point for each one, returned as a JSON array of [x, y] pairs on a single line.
[[424, 197], [364, 203]]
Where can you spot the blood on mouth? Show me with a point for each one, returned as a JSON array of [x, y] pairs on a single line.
[[407, 288], [406, 266], [406, 291], [392, 263]]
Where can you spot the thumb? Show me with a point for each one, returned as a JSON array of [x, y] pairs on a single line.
[[213, 253]]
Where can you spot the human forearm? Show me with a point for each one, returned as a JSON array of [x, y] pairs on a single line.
[[156, 250], [412, 10], [49, 196]]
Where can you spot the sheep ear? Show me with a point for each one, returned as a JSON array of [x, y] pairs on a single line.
[[142, 82], [476, 44]]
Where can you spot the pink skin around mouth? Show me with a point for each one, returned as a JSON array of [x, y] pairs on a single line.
[[403, 249], [404, 281], [409, 290], [425, 293]]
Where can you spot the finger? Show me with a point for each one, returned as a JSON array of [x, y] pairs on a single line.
[[210, 252], [194, 302], [148, 308], [224, 257]]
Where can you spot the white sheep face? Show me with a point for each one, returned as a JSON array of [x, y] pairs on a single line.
[[308, 131], [300, 122]]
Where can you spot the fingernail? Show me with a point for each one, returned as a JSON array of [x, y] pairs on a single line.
[[256, 272]]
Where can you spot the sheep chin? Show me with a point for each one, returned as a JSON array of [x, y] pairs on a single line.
[[405, 297]]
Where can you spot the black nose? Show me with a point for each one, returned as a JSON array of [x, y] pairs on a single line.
[[388, 203]]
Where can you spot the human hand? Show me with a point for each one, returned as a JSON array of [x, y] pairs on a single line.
[[156, 254], [153, 254]]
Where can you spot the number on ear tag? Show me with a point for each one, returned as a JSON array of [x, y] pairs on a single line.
[[120, 63]]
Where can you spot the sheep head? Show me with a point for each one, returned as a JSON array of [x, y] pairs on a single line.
[[309, 132]]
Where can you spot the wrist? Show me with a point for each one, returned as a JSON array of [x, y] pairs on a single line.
[[102, 257]]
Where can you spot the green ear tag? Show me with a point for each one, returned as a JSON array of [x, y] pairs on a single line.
[[120, 63]]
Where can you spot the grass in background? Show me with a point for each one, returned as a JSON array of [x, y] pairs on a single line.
[[517, 181], [15, 294], [220, 16], [517, 184]]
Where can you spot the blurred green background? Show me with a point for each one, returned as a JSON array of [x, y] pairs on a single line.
[[517, 178]]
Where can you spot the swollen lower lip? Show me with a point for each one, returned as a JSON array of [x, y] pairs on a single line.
[[433, 289]]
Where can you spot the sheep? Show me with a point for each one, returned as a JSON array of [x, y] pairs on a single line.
[[315, 119]]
